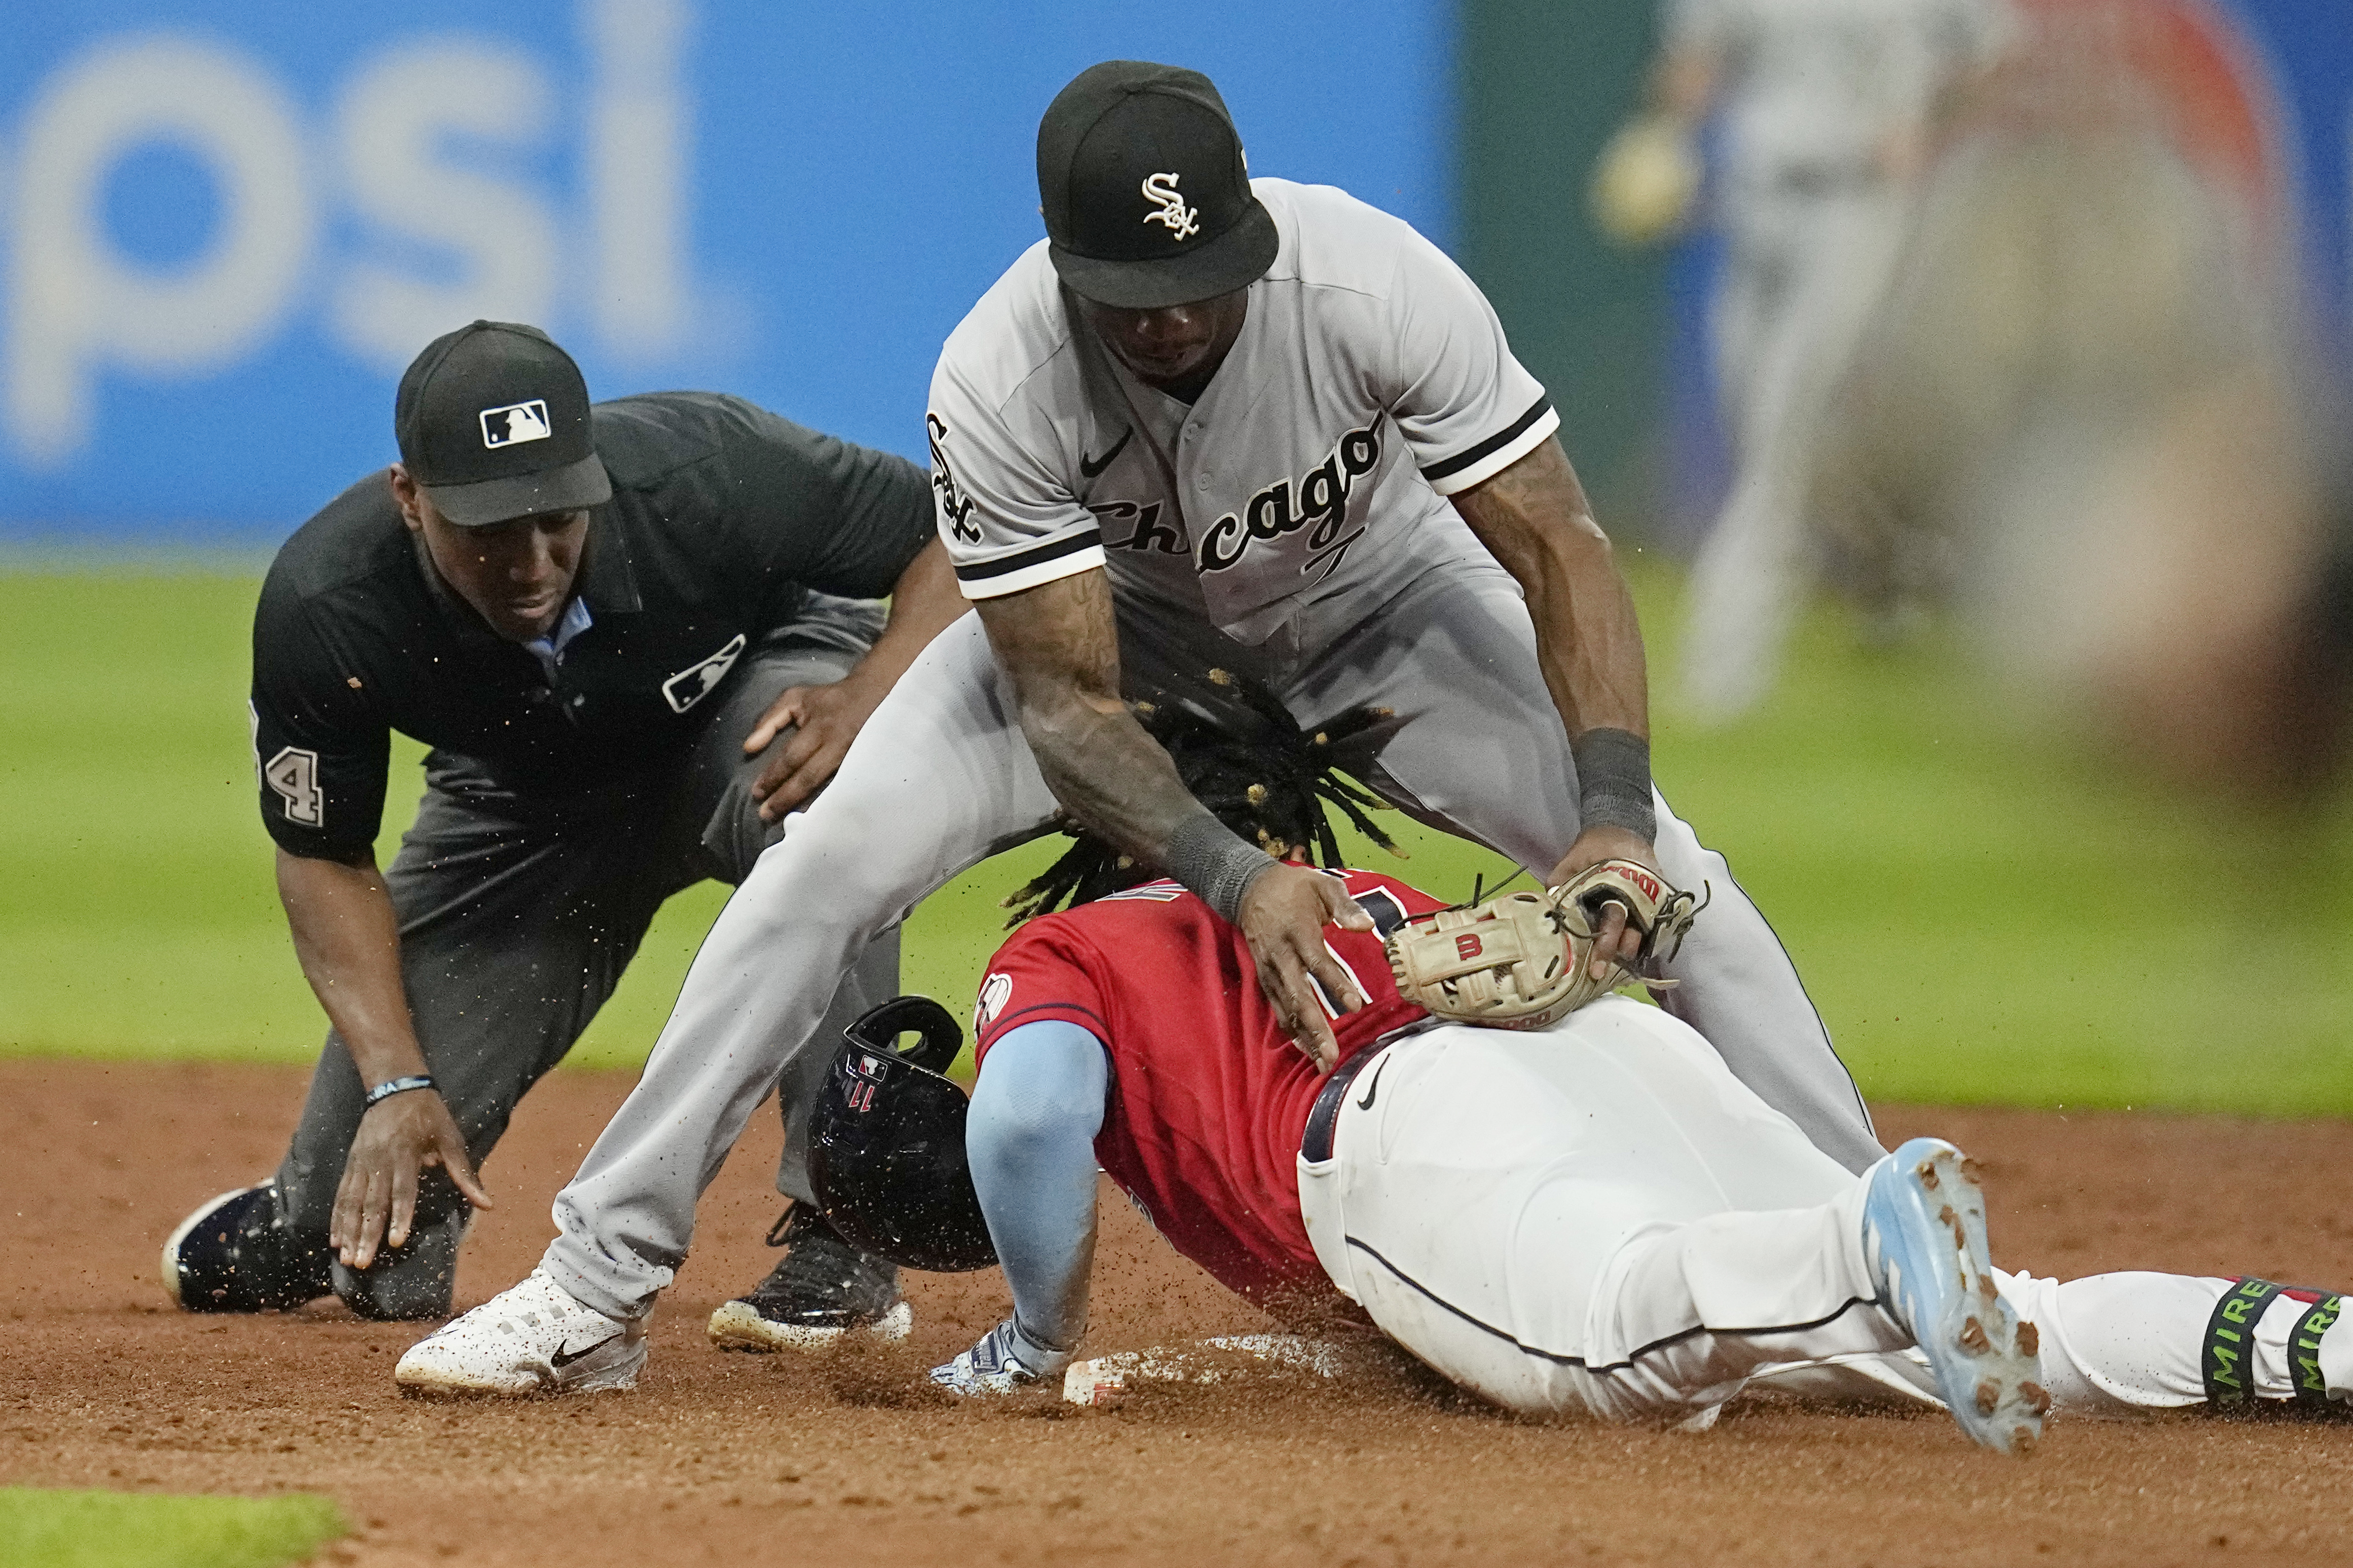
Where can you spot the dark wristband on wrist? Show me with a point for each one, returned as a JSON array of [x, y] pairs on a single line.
[[1211, 860], [392, 1086], [1613, 782]]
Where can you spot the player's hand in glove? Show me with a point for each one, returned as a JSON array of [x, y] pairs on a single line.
[[1646, 180], [377, 1201], [1521, 961], [1616, 944], [1282, 917], [824, 720]]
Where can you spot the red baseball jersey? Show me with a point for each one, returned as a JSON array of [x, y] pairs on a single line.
[[1209, 1098]]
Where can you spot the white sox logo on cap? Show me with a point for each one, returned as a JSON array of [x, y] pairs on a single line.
[[1162, 188], [515, 422]]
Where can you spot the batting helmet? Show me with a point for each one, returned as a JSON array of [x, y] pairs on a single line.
[[886, 1143]]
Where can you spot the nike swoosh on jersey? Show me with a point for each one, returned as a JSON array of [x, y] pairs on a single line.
[[563, 1359], [1091, 467], [1374, 1088]]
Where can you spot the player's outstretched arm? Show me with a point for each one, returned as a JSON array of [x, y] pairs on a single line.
[[1060, 646], [347, 938], [826, 719], [1534, 520]]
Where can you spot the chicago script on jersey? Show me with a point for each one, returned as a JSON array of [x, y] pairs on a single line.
[[1145, 531], [1317, 500]]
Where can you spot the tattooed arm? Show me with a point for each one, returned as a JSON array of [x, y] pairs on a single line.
[[1060, 646], [1534, 520]]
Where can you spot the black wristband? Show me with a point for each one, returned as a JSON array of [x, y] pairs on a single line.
[[392, 1086], [1211, 860], [1613, 782]]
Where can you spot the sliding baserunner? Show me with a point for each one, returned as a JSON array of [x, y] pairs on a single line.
[[1593, 1216]]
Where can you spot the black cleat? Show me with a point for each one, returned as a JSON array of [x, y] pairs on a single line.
[[234, 1255], [824, 1288]]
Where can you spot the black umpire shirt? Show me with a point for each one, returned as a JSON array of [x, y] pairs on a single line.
[[724, 518]]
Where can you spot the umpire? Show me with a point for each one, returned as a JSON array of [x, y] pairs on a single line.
[[617, 627]]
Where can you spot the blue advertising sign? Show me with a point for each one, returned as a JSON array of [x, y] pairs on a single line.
[[225, 230]]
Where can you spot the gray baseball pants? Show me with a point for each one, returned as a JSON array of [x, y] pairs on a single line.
[[941, 779], [517, 917]]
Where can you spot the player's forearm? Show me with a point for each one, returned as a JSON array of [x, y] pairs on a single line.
[[348, 938], [1060, 645], [1533, 518], [924, 603]]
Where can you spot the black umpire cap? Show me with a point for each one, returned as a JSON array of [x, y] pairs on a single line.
[[1146, 190], [492, 422]]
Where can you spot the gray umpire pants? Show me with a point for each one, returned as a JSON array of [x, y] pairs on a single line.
[[517, 917], [941, 778]]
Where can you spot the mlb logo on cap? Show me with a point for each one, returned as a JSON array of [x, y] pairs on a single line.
[[515, 422]]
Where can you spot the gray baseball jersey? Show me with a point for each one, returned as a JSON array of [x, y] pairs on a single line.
[[1371, 380]]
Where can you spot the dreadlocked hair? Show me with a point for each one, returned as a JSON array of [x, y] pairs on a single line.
[[1255, 770]]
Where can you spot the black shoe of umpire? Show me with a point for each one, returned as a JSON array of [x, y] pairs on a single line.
[[824, 1288], [234, 1255]]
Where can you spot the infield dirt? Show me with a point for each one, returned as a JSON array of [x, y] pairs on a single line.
[[851, 1459]]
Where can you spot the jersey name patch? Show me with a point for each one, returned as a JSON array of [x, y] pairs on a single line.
[[1317, 500], [693, 684]]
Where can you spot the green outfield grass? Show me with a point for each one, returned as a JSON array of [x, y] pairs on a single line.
[[1980, 915], [146, 1529]]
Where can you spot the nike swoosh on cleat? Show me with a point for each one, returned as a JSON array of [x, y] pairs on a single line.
[[1373, 1087], [563, 1359], [1091, 467]]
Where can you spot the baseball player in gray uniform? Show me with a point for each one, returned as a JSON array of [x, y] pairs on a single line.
[[1211, 423], [1825, 106]]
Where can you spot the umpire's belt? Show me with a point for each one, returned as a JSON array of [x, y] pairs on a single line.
[[1316, 1144]]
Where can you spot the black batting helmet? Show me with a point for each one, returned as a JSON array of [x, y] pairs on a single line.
[[886, 1143]]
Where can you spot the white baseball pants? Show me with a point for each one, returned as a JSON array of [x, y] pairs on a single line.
[[1598, 1218]]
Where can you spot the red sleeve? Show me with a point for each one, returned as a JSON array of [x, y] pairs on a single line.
[[1046, 971]]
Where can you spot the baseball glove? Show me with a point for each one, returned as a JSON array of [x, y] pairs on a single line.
[[1521, 961]]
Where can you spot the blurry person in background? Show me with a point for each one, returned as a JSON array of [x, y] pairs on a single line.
[[1826, 108], [2085, 397]]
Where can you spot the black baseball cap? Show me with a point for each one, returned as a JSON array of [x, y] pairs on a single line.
[[492, 422], [1145, 191]]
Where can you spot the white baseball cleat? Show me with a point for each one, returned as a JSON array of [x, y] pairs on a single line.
[[535, 1337], [1005, 1359], [1924, 1233]]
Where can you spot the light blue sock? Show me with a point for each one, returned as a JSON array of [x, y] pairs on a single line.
[[1031, 1141]]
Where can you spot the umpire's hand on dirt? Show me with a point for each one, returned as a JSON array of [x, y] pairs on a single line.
[[1614, 946], [1282, 917], [377, 1201], [824, 720]]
